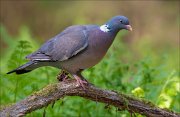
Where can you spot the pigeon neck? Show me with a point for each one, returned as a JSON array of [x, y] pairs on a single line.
[[105, 28], [108, 29]]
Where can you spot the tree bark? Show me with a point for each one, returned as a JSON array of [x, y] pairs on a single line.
[[53, 92]]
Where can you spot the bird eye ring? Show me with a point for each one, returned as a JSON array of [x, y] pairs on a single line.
[[121, 21]]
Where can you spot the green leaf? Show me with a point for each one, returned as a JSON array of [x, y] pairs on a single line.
[[138, 92]]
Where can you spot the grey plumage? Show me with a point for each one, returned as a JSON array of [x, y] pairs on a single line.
[[22, 68], [76, 48], [63, 46]]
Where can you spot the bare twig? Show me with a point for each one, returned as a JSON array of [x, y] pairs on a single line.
[[53, 92]]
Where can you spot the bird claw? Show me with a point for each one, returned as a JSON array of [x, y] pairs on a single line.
[[81, 82], [63, 76]]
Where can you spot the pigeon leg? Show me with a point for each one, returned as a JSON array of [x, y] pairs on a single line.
[[79, 74], [65, 78], [80, 81]]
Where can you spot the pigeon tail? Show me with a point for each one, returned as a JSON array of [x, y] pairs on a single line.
[[29, 66]]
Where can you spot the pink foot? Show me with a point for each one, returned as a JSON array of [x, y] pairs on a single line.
[[80, 81]]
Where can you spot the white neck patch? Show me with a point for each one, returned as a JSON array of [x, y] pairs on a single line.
[[104, 28]]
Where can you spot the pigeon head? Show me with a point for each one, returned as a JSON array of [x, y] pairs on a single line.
[[116, 24]]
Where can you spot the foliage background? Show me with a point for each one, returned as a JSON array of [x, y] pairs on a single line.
[[142, 63]]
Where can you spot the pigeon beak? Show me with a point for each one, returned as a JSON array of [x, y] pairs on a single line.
[[128, 27]]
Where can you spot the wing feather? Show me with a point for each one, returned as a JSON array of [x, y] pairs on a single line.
[[63, 46]]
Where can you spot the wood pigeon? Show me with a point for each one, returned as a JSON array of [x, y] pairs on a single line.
[[76, 48]]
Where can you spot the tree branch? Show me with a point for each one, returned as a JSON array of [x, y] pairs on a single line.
[[53, 92]]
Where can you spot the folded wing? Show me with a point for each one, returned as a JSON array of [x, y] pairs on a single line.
[[69, 43]]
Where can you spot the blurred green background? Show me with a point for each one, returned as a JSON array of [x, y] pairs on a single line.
[[143, 63]]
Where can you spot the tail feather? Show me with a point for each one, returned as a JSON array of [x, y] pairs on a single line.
[[24, 68], [19, 71]]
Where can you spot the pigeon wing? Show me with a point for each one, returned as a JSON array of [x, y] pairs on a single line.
[[63, 46]]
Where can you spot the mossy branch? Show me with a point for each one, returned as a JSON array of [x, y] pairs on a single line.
[[53, 92]]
